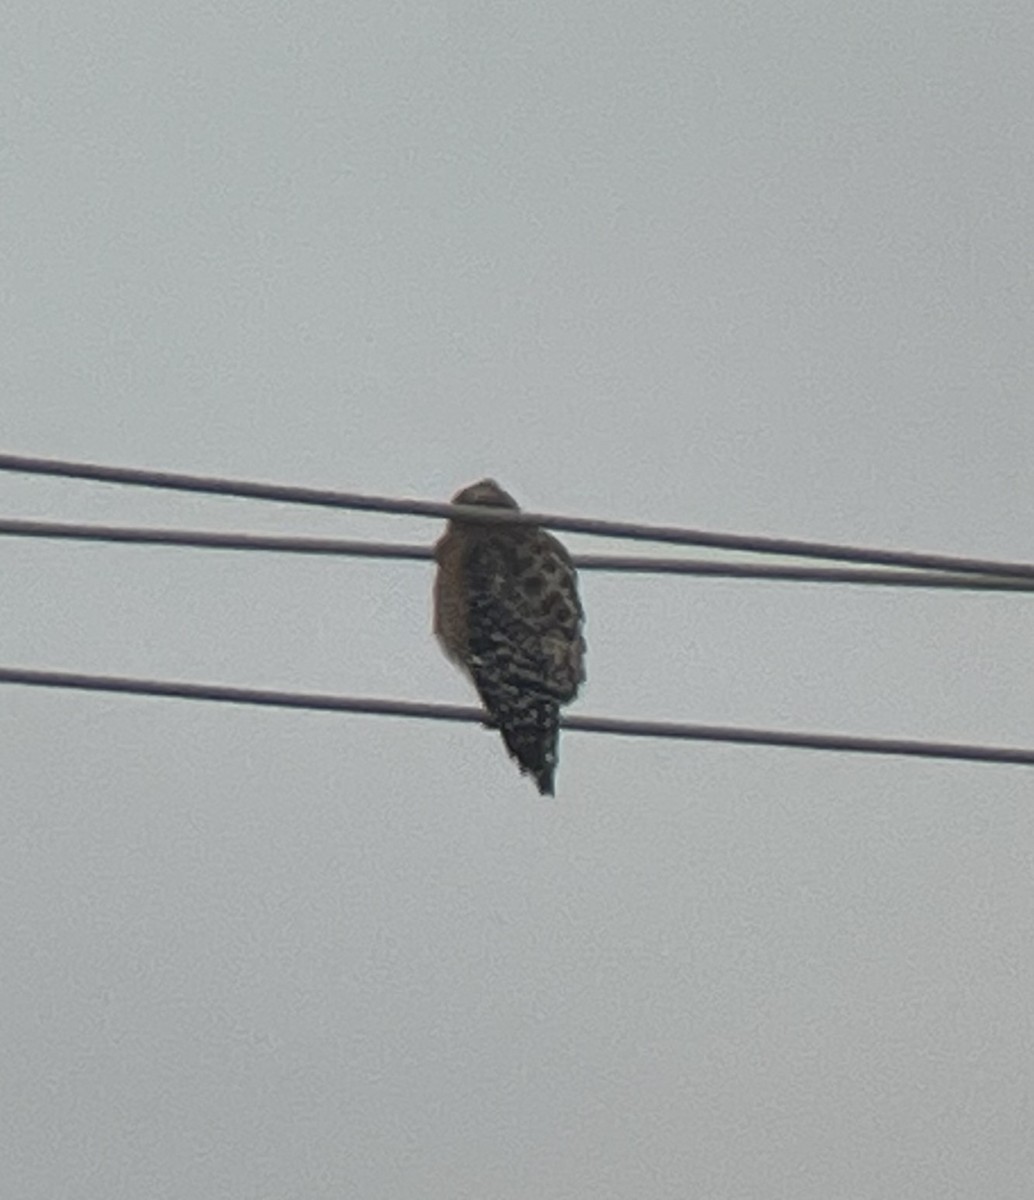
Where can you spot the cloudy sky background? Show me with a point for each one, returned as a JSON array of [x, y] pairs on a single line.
[[761, 268]]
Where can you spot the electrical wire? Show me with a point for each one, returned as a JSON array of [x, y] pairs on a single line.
[[199, 539], [284, 544], [594, 527], [616, 726]]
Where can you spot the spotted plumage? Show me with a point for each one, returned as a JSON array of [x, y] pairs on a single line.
[[507, 611]]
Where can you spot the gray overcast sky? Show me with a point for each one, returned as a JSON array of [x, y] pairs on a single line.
[[757, 267]]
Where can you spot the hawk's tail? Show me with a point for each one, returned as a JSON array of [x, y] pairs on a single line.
[[530, 726]]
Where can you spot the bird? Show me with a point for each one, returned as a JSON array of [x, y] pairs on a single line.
[[506, 610]]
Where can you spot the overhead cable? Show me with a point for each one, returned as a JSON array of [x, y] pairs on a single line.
[[591, 526], [616, 726], [292, 544]]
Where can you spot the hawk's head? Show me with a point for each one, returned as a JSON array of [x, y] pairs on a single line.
[[485, 492]]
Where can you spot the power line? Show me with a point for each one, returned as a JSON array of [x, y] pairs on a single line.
[[284, 544], [615, 726], [590, 526], [199, 539]]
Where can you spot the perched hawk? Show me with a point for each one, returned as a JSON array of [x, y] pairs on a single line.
[[506, 609]]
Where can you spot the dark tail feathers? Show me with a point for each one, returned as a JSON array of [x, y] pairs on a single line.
[[531, 728]]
